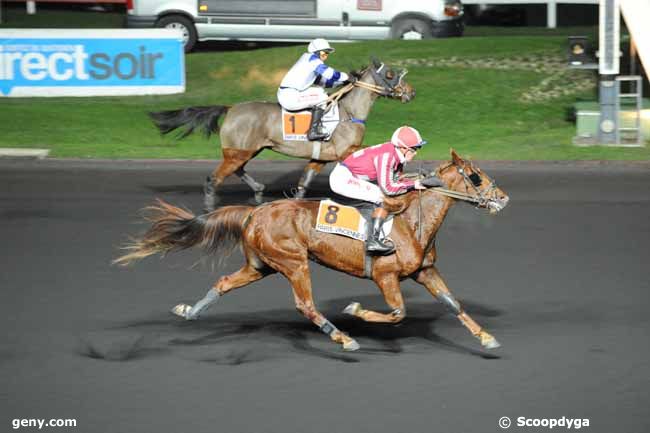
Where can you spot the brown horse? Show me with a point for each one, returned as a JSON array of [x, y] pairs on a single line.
[[250, 127], [280, 237]]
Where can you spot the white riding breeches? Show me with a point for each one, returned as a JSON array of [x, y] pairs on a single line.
[[343, 182], [292, 99]]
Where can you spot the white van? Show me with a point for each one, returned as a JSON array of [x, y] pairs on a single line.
[[299, 20]]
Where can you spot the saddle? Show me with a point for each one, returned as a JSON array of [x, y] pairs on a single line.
[[295, 124], [350, 221]]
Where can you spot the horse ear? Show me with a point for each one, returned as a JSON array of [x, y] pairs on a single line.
[[455, 158], [375, 62]]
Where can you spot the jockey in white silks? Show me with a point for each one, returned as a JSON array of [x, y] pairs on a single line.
[[302, 86]]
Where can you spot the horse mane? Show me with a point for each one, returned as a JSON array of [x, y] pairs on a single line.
[[398, 204]]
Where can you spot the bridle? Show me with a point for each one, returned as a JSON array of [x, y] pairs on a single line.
[[392, 88], [481, 197]]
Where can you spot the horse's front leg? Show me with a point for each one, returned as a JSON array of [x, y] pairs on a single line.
[[431, 279], [311, 170], [298, 275], [389, 286]]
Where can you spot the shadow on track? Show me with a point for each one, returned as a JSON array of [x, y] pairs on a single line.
[[235, 192], [241, 338]]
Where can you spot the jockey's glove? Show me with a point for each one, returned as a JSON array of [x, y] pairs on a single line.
[[432, 182]]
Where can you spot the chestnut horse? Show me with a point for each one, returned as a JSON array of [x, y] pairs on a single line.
[[280, 237], [250, 127]]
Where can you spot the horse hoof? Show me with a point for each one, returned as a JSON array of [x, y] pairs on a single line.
[[352, 309], [210, 202], [210, 198], [489, 342], [300, 194], [181, 310], [351, 345], [254, 202]]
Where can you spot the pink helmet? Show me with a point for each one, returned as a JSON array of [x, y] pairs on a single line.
[[405, 136]]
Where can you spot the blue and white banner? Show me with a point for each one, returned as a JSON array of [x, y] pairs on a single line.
[[99, 62]]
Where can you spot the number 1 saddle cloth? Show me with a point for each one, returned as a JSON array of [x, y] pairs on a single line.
[[295, 124], [348, 220]]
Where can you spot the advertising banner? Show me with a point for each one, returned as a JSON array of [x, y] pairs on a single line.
[[99, 62]]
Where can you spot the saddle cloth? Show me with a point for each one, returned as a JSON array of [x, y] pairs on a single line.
[[295, 124], [348, 221]]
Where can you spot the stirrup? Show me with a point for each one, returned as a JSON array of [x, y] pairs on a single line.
[[316, 136], [375, 246]]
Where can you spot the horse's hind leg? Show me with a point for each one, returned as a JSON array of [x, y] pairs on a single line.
[[258, 188], [242, 277], [298, 276], [389, 285], [233, 161], [432, 280], [311, 171]]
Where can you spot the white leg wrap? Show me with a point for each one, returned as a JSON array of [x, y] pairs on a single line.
[[202, 305], [315, 153]]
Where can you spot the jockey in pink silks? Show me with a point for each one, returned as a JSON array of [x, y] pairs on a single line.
[[373, 172]]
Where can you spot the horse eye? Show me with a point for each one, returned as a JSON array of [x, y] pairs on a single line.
[[476, 179]]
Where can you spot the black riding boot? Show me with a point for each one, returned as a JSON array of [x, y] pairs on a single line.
[[315, 128], [373, 244]]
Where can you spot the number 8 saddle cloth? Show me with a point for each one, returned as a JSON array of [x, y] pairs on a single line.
[[348, 220]]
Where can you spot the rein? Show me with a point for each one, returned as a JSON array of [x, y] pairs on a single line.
[[336, 96], [372, 87], [458, 195]]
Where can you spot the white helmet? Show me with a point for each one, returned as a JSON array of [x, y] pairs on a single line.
[[320, 44]]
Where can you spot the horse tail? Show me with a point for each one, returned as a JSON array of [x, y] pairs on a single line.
[[191, 118], [174, 229]]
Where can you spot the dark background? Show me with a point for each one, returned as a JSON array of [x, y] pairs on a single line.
[[559, 277]]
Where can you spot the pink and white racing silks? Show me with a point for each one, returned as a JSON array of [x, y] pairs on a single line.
[[380, 163], [343, 182]]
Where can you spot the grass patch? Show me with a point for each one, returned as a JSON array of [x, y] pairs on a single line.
[[471, 95]]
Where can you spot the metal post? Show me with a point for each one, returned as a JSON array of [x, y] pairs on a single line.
[[608, 67], [632, 57], [31, 7], [608, 124], [551, 14]]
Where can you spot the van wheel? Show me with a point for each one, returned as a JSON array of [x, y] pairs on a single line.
[[412, 29], [184, 25]]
